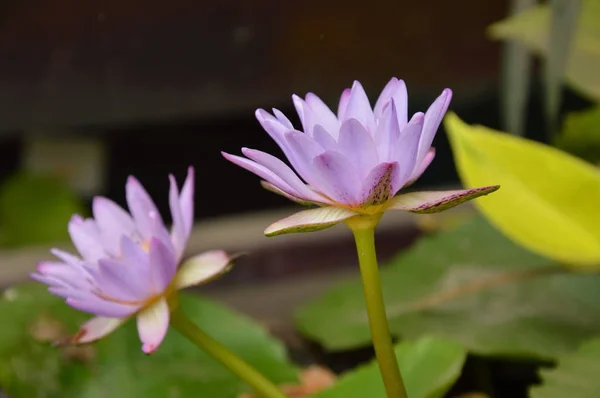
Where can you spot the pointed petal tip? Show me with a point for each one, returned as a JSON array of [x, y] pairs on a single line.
[[203, 268], [438, 201], [148, 348]]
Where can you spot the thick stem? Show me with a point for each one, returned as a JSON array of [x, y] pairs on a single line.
[[218, 351], [363, 228]]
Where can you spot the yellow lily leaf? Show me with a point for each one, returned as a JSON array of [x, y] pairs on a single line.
[[532, 29], [549, 201]]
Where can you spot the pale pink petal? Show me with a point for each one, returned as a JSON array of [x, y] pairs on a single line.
[[283, 119], [142, 208], [277, 130], [96, 328], [282, 171], [377, 187], [186, 201], [384, 98], [153, 323], [433, 118], [406, 149], [339, 178], [178, 235], [325, 139], [400, 97], [270, 187], [357, 145], [359, 108], [125, 281], [102, 307], [325, 117], [202, 268], [387, 133], [305, 150], [262, 172], [113, 222], [310, 220], [86, 238], [420, 169], [343, 104], [163, 265], [434, 202]]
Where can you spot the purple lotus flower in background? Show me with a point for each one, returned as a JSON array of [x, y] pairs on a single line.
[[353, 162], [129, 263]]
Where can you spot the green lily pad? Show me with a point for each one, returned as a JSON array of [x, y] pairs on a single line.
[[429, 367], [116, 366], [575, 376], [35, 209], [457, 285]]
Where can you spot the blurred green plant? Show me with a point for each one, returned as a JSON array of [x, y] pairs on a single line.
[[581, 135], [114, 367], [549, 199], [575, 376], [430, 366], [470, 285], [35, 209]]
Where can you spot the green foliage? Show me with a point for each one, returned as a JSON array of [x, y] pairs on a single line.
[[581, 135], [116, 366], [429, 367], [532, 28], [548, 201], [36, 209], [575, 376], [469, 285]]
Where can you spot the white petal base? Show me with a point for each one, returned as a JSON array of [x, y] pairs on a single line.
[[202, 268], [310, 220]]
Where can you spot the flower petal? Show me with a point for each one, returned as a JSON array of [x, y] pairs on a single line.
[[283, 119], [420, 169], [433, 118], [113, 222], [325, 138], [339, 177], [407, 146], [324, 116], [270, 187], [262, 172], [86, 238], [142, 208], [357, 145], [163, 265], [283, 171], [359, 107], [96, 328], [182, 212], [202, 268], [305, 150], [153, 323], [186, 201], [343, 104], [125, 281], [384, 97], [387, 133], [377, 187], [97, 306], [434, 202], [310, 220]]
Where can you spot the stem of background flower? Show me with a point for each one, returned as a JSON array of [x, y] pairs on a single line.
[[256, 380], [363, 227]]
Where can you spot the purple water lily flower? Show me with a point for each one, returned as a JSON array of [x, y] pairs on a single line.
[[128, 264], [353, 162]]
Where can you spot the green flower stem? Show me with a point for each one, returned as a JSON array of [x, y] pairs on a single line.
[[363, 227], [218, 351]]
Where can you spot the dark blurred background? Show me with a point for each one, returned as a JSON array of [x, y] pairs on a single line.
[[156, 86]]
